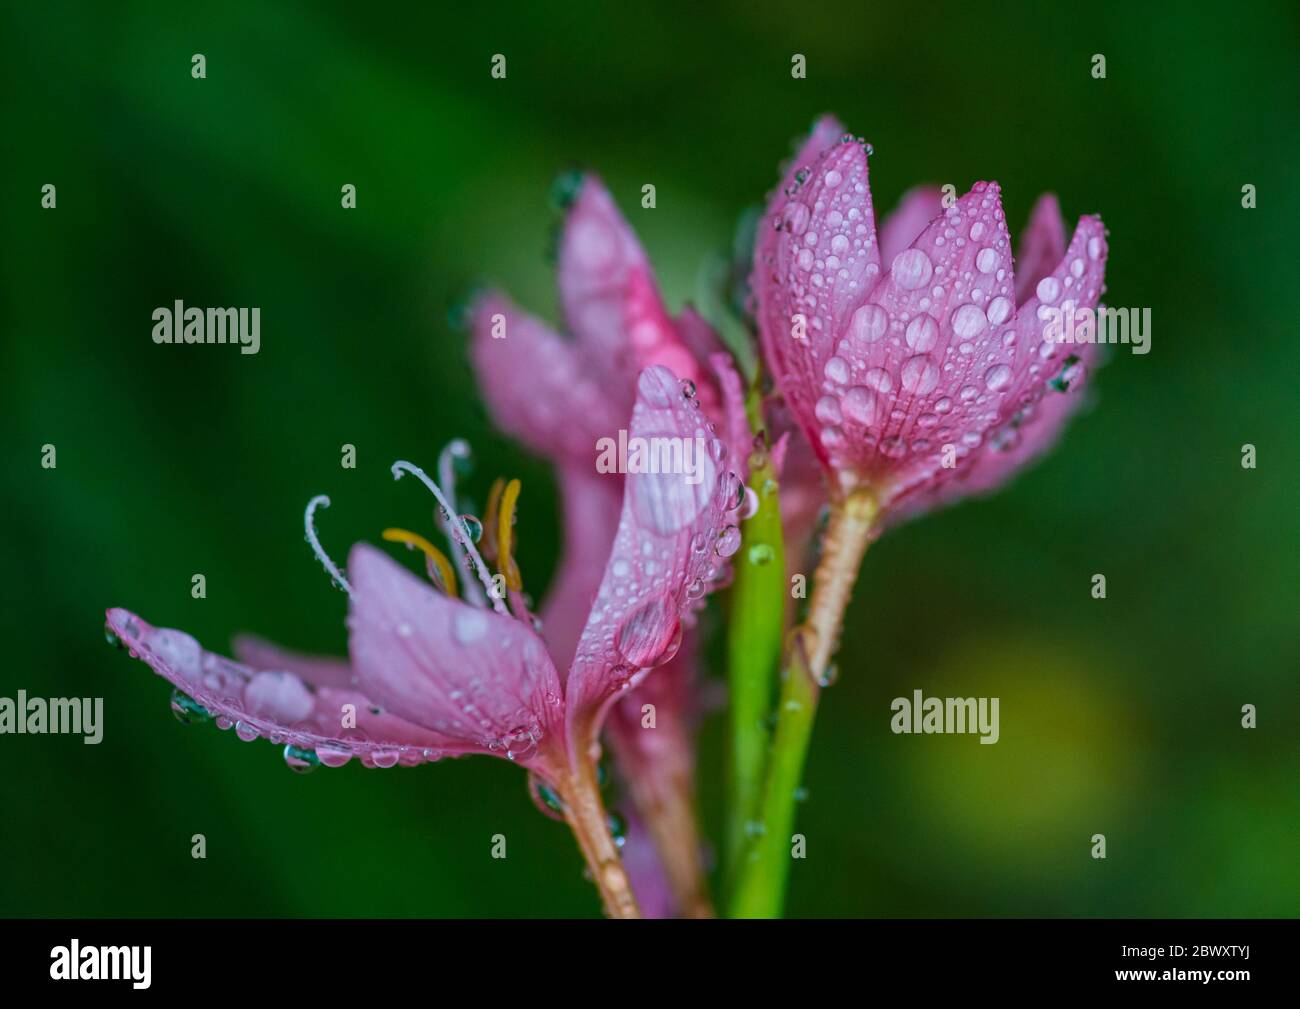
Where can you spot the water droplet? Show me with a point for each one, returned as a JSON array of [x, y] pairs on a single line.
[[187, 710], [549, 796], [1000, 310], [986, 261], [112, 638], [997, 377], [652, 633], [760, 553], [828, 410], [469, 625], [923, 332], [1071, 373], [333, 756], [969, 321], [750, 506], [385, 758], [1049, 289], [473, 527], [828, 678], [859, 405], [300, 760], [246, 732], [868, 324], [565, 189], [795, 217], [912, 269], [728, 541], [837, 370], [617, 828], [688, 388], [920, 375]]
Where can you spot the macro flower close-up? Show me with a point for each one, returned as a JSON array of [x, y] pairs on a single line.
[[829, 472]]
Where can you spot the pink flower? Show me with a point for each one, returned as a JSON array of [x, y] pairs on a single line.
[[913, 359], [432, 676], [561, 396]]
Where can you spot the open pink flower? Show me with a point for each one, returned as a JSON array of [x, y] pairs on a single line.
[[914, 358], [433, 676], [560, 396]]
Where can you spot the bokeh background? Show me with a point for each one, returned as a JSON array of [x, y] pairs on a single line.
[[1119, 716]]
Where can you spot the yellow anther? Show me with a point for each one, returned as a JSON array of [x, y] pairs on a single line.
[[446, 573], [489, 545], [505, 537]]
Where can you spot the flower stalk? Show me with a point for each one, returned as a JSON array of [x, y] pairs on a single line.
[[754, 633], [765, 865], [585, 812]]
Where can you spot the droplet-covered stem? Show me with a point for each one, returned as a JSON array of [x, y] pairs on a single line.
[[585, 812], [761, 878]]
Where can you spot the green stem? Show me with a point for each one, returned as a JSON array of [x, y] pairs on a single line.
[[765, 865], [754, 649]]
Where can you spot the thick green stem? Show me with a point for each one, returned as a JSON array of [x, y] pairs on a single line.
[[754, 650], [765, 865]]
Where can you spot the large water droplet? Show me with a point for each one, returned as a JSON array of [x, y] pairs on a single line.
[[920, 375], [997, 377], [469, 625], [300, 760], [969, 321], [912, 269], [187, 710], [651, 634], [728, 541], [868, 324], [922, 333]]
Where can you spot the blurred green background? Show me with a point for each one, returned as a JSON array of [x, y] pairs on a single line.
[[1119, 716]]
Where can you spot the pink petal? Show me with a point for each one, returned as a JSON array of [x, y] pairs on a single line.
[[480, 679], [541, 388], [592, 502], [276, 704], [729, 417], [919, 364], [698, 336], [664, 554], [816, 258], [915, 210], [607, 288], [1041, 246], [1033, 409]]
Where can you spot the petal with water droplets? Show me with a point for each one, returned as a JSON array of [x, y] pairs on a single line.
[[275, 703], [479, 678], [670, 522]]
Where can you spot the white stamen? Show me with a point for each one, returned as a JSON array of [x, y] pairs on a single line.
[[456, 449], [321, 501], [456, 528]]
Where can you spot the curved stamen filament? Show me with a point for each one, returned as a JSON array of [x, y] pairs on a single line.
[[505, 537], [446, 572], [456, 528], [309, 524], [455, 450]]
